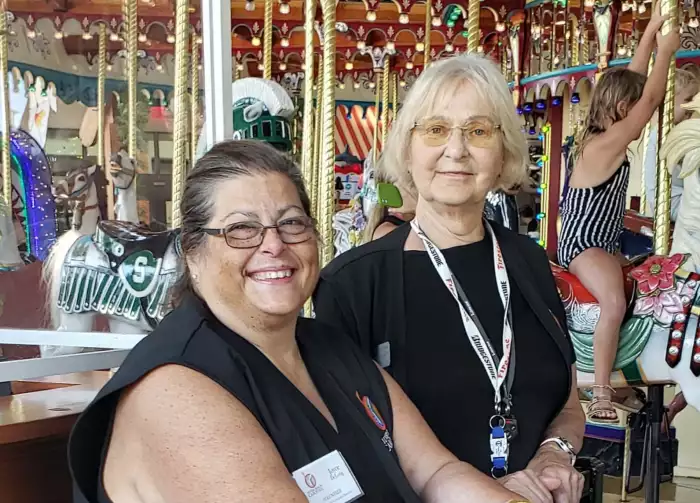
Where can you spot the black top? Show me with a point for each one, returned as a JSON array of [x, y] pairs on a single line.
[[459, 408], [192, 337], [393, 304]]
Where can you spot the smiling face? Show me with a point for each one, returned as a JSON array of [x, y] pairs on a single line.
[[273, 279], [466, 167]]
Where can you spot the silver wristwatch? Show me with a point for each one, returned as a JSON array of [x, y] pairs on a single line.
[[564, 445]]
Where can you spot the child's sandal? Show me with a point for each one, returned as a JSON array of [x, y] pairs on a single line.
[[601, 409]]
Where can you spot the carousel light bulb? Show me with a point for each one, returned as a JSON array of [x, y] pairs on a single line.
[[356, 85], [361, 45], [480, 49], [589, 3], [58, 35], [403, 18], [341, 86], [255, 41], [436, 21], [284, 8], [171, 39], [159, 67], [109, 68], [284, 42], [420, 46], [449, 47], [349, 66], [250, 5], [621, 51], [642, 9], [372, 85], [371, 16], [500, 27], [114, 37], [283, 67], [239, 66], [409, 65], [31, 34], [390, 46], [402, 83], [260, 67], [626, 6], [87, 35], [303, 67]]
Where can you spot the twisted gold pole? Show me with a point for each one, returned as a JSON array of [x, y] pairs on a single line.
[[575, 55], [645, 147], [394, 96], [307, 151], [385, 101], [5, 88], [553, 40], [267, 42], [236, 71], [317, 205], [426, 38], [131, 71], [546, 159], [194, 103], [504, 60], [327, 194], [375, 135], [180, 109], [101, 74], [662, 219], [473, 26], [585, 47]]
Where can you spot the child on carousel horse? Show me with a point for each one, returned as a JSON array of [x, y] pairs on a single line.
[[593, 205]]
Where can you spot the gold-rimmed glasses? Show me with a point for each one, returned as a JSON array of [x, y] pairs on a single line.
[[479, 132], [291, 231]]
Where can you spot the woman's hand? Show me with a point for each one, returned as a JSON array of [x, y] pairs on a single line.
[[534, 488], [657, 20], [669, 43], [550, 463]]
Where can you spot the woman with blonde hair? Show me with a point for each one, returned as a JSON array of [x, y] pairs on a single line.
[[448, 302]]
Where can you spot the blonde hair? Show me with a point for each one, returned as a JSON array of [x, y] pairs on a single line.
[[444, 78], [688, 78], [616, 85]]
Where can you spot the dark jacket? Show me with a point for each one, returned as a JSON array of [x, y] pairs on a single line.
[[362, 291]]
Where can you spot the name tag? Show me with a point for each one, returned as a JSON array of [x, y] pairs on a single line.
[[328, 480]]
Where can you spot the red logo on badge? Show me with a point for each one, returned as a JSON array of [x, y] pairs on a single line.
[[310, 480]]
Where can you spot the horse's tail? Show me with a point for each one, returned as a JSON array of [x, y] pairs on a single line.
[[52, 270]]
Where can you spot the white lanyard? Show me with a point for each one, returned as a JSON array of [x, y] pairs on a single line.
[[477, 337]]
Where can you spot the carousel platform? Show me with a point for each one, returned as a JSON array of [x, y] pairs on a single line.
[[36, 417]]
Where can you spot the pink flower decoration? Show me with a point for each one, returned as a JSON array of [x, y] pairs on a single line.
[[657, 273], [662, 307]]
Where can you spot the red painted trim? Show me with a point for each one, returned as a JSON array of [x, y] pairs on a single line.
[[556, 120]]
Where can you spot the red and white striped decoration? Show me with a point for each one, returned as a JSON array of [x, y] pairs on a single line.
[[356, 132]]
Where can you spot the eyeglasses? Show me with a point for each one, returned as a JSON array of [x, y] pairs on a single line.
[[251, 234], [479, 132]]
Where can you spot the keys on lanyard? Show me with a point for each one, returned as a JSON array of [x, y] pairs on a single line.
[[504, 429]]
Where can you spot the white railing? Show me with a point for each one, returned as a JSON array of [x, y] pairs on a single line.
[[117, 346]]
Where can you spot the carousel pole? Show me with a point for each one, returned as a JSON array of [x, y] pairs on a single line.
[[194, 103], [645, 147], [553, 40], [375, 137], [575, 51], [267, 41], [307, 151], [473, 35], [101, 74], [316, 203], [385, 101], [5, 89], [394, 96], [426, 37], [182, 26], [662, 218], [131, 71], [327, 146]]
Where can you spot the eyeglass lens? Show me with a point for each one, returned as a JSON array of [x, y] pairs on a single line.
[[479, 133], [251, 234]]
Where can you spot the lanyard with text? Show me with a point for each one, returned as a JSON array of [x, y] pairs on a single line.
[[503, 428]]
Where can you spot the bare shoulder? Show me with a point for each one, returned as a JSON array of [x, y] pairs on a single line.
[[183, 437], [382, 230], [596, 164]]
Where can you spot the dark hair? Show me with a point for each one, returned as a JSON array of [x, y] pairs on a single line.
[[226, 160], [616, 85]]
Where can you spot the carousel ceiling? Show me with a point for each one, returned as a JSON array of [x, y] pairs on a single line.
[[397, 26]]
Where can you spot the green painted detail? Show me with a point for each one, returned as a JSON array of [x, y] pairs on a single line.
[[632, 374], [139, 270], [633, 339], [272, 129]]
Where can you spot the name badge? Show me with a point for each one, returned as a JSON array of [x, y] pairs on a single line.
[[328, 480]]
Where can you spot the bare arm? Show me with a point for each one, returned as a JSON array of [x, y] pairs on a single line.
[[199, 443], [640, 60], [435, 473]]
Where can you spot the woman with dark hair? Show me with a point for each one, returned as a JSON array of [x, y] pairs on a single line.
[[235, 398]]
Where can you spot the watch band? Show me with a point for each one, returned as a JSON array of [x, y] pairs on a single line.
[[564, 445]]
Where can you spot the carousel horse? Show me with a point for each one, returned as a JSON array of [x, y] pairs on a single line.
[[663, 296], [123, 171], [80, 187], [125, 271], [501, 208]]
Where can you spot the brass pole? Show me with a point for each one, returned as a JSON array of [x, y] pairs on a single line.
[[315, 173], [553, 40], [662, 219], [5, 87], [626, 462], [426, 37], [267, 41], [375, 135], [575, 51], [180, 109], [645, 146], [236, 71], [307, 151], [194, 103], [473, 35], [101, 74], [385, 101], [328, 130], [504, 58], [394, 96], [585, 47], [544, 226], [131, 71]]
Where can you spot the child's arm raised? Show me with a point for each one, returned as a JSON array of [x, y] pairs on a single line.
[[640, 61], [611, 143]]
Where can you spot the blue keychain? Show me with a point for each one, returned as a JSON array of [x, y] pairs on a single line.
[[499, 447]]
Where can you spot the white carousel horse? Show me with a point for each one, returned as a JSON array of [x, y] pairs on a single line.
[[18, 98], [80, 186], [123, 171], [10, 258], [42, 101]]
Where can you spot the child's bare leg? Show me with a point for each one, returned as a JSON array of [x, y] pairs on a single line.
[[601, 274]]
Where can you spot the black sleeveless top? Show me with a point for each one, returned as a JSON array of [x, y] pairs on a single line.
[[191, 336]]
